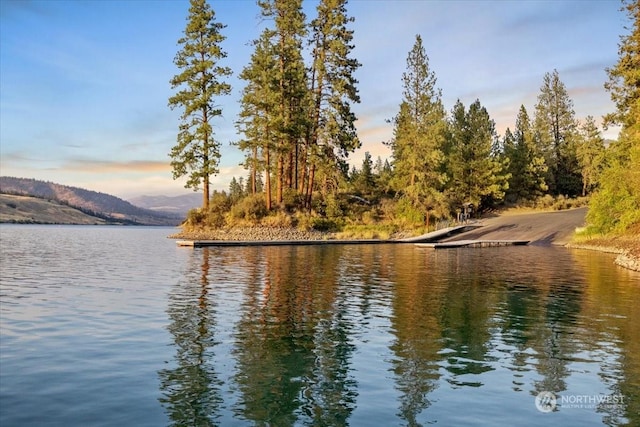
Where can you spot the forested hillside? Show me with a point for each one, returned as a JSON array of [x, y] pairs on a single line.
[[93, 203]]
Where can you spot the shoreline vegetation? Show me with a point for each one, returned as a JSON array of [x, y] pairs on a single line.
[[627, 246]]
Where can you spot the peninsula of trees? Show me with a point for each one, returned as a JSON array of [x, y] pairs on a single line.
[[297, 129]]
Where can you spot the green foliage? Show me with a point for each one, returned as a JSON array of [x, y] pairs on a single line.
[[259, 98], [591, 155], [615, 207], [419, 133], [214, 217], [555, 132], [219, 205], [335, 87], [477, 173], [325, 224], [333, 207], [368, 231], [251, 208], [199, 83], [298, 129], [278, 219], [363, 181], [526, 166], [407, 214], [236, 191], [292, 200], [624, 77]]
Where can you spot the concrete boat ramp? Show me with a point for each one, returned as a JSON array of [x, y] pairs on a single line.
[[429, 240]]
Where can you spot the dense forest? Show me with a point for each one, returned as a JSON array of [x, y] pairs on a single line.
[[297, 130]]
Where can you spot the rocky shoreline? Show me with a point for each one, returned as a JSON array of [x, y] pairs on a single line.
[[626, 258], [254, 234]]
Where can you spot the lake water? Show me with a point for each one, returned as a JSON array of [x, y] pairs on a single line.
[[117, 326]]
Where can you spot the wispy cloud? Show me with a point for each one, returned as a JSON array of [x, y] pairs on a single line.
[[109, 166]]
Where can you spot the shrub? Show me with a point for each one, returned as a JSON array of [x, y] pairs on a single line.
[[278, 220], [333, 207], [407, 214], [292, 200], [325, 224], [251, 208], [195, 218]]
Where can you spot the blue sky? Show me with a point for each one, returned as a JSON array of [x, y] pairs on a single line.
[[84, 84]]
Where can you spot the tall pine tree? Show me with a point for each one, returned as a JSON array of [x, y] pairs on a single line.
[[555, 130], [290, 117], [199, 83], [257, 120], [477, 172], [527, 165], [333, 88], [590, 153], [419, 134]]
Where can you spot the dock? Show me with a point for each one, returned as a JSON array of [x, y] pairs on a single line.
[[472, 244], [236, 243]]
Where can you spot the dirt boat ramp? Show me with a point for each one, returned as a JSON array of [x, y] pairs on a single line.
[[539, 228]]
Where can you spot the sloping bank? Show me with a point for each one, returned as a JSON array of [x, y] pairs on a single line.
[[627, 248], [557, 228]]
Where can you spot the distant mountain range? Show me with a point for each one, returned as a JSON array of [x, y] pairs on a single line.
[[100, 205], [178, 205]]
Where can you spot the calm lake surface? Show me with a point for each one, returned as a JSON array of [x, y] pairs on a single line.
[[116, 326]]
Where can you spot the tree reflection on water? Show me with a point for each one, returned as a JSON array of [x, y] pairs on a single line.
[[340, 335], [191, 389]]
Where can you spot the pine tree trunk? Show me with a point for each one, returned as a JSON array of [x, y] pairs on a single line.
[[280, 178], [303, 166], [254, 171], [205, 194], [309, 195], [267, 184], [205, 164]]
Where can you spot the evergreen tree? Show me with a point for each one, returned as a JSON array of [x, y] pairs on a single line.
[[419, 134], [257, 121], [527, 167], [477, 173], [333, 89], [290, 116], [382, 175], [590, 152], [364, 181], [555, 129], [199, 83], [235, 190], [615, 207], [624, 77], [515, 166]]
